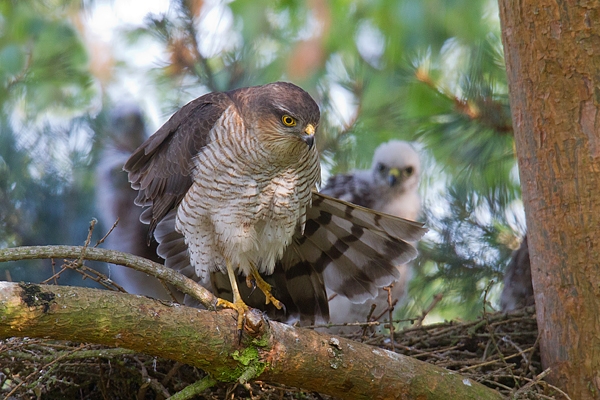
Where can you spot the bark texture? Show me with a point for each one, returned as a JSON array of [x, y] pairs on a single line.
[[208, 340], [552, 50]]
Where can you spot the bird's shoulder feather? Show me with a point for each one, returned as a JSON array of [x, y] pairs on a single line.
[[161, 167]]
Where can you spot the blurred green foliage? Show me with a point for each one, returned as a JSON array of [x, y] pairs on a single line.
[[46, 184], [429, 71]]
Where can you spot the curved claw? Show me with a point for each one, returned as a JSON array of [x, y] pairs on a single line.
[[241, 309], [251, 283]]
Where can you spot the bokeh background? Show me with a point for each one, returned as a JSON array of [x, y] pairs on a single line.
[[77, 76]]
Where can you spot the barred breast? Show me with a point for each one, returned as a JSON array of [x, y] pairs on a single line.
[[242, 206]]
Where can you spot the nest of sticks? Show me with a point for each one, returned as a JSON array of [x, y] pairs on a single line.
[[499, 350]]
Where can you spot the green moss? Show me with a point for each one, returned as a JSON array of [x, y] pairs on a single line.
[[249, 358], [261, 342], [250, 367], [246, 356]]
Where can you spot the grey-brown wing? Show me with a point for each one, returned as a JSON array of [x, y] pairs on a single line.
[[160, 169], [355, 248], [349, 187]]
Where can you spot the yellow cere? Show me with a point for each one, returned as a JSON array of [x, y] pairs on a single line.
[[310, 130]]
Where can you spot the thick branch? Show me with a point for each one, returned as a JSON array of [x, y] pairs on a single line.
[[286, 355], [208, 340]]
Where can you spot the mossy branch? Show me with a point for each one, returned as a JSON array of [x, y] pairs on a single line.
[[208, 340]]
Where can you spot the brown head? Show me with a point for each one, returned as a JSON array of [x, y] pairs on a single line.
[[281, 113]]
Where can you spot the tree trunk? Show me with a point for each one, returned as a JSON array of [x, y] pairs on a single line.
[[552, 53]]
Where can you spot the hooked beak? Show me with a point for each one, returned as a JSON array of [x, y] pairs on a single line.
[[309, 136], [393, 176]]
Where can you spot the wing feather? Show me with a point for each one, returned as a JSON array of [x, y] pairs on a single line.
[[355, 248], [161, 167]]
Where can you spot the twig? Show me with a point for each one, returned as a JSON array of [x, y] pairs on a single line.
[[54, 276], [538, 380], [112, 228], [366, 327], [149, 382], [171, 373], [194, 389], [534, 381], [46, 368], [77, 354], [369, 323], [493, 338], [500, 358], [93, 223], [535, 345], [388, 289], [485, 294], [506, 339], [378, 317], [182, 283], [436, 299], [94, 275]]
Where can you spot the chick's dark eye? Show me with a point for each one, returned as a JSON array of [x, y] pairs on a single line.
[[380, 167], [409, 170], [288, 121]]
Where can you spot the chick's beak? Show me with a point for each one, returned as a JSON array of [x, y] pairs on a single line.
[[393, 176], [309, 136]]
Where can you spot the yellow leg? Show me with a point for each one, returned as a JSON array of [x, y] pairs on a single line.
[[238, 304], [264, 286]]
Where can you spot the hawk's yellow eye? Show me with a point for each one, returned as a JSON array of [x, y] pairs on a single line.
[[288, 121]]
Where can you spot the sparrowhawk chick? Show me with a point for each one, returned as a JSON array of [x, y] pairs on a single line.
[[228, 185], [518, 288]]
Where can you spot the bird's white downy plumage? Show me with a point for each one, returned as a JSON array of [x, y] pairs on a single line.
[[404, 200]]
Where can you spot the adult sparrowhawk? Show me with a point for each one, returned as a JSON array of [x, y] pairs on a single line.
[[228, 185]]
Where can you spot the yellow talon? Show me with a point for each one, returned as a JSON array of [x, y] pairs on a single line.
[[237, 305], [264, 287]]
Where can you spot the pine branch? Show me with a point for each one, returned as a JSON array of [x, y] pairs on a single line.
[[486, 110]]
